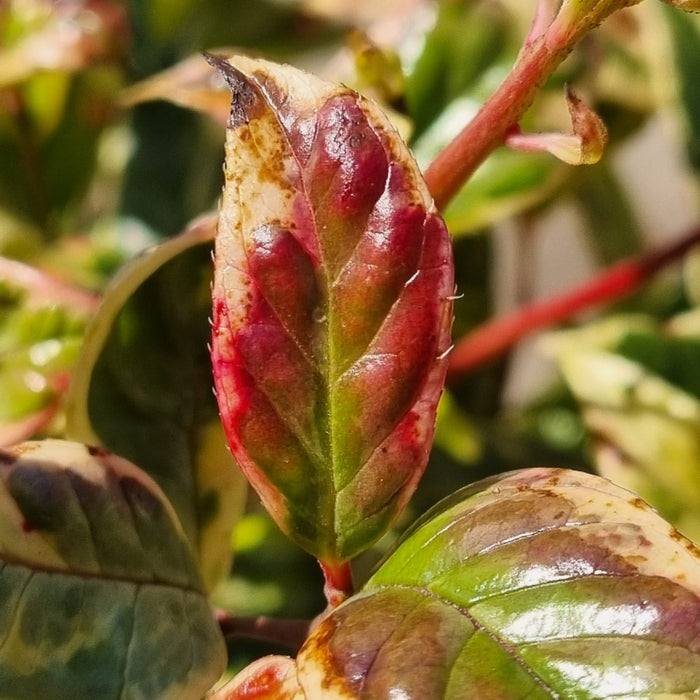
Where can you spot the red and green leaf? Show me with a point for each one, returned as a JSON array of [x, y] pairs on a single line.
[[543, 583], [332, 307]]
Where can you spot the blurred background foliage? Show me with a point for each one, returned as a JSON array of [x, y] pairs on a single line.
[[111, 141]]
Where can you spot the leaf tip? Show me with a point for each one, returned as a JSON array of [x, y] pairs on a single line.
[[245, 96]]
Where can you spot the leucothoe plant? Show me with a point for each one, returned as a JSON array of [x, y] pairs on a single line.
[[331, 310]]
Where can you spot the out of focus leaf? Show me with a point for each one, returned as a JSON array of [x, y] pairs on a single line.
[[142, 388], [378, 70], [192, 83], [49, 136], [613, 230], [42, 322], [543, 583], [644, 430], [507, 183], [455, 433], [63, 37], [691, 277], [639, 387], [466, 40], [685, 36], [686, 5], [332, 307], [100, 592]]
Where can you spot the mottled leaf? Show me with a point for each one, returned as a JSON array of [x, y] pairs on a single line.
[[639, 389], [143, 389], [101, 597], [332, 307], [543, 583]]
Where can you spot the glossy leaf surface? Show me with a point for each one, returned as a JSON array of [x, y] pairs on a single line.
[[101, 597], [143, 389], [542, 583], [332, 307]]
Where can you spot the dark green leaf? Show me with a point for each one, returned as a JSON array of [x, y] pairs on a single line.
[[143, 389]]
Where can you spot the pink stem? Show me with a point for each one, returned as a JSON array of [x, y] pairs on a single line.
[[339, 584], [459, 159], [495, 337]]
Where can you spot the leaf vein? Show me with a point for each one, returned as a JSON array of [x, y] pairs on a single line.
[[499, 641]]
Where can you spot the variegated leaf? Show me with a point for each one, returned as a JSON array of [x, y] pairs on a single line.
[[100, 596], [332, 307]]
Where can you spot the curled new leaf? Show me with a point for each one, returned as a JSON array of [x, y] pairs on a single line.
[[100, 592], [583, 147], [543, 583], [332, 307]]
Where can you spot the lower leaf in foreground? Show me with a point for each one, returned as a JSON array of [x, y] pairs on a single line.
[[539, 584], [99, 591]]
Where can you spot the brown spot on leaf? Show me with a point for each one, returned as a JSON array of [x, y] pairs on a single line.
[[639, 503], [27, 527], [318, 650], [693, 549], [675, 535]]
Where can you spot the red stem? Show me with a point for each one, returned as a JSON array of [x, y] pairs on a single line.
[[459, 159], [493, 338]]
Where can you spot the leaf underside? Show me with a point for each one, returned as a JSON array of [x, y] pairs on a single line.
[[99, 593], [332, 307], [540, 584]]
